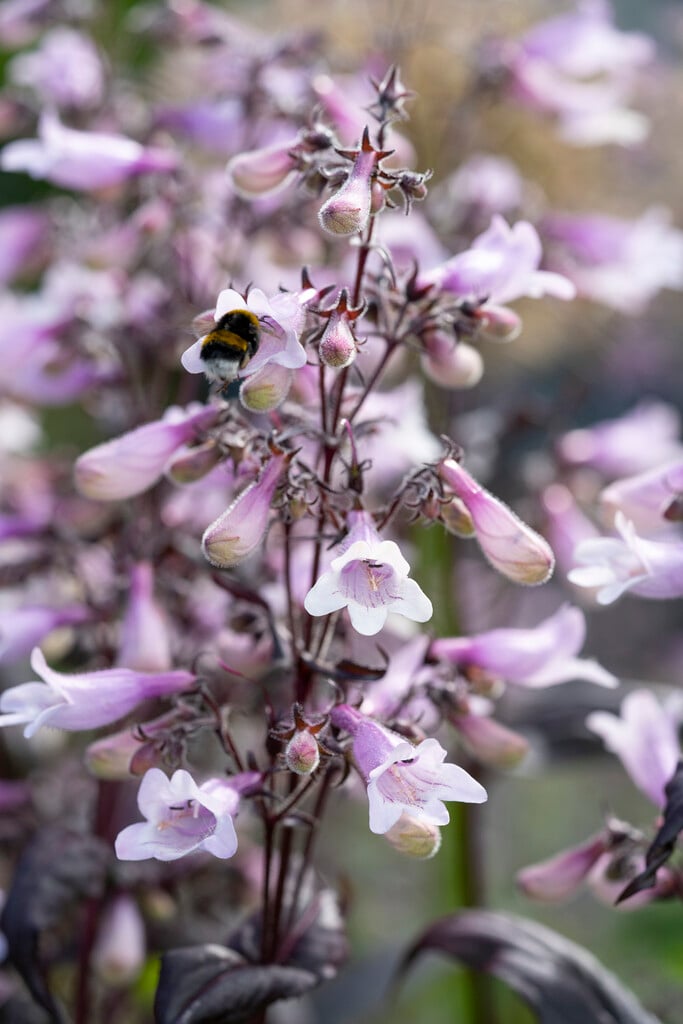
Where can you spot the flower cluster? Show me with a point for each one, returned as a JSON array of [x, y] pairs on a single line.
[[232, 573]]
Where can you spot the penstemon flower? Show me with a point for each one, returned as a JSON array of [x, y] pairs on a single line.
[[182, 818], [84, 701], [615, 565], [402, 778], [370, 578]]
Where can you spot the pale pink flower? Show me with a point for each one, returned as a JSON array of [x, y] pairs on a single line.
[[402, 778], [501, 266], [65, 69], [240, 530], [649, 568], [512, 547], [84, 700], [370, 578], [82, 160], [279, 321], [544, 655], [558, 878], [644, 738], [134, 462], [145, 643], [182, 818]]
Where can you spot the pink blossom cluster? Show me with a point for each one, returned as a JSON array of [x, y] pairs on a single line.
[[226, 563]]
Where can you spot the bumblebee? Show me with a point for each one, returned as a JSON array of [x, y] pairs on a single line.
[[230, 344]]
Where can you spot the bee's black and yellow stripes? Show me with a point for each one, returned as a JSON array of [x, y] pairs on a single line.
[[234, 337]]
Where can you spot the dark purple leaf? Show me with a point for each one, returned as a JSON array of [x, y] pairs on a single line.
[[664, 843], [214, 985], [316, 942], [57, 869], [561, 981]]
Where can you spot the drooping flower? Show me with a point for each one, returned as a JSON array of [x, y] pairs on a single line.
[[262, 172], [130, 464], [145, 641], [512, 547], [544, 655], [559, 877], [402, 778], [239, 531], [86, 700], [646, 497], [489, 741], [450, 363], [370, 578], [649, 568], [82, 160], [182, 818], [644, 738], [501, 266]]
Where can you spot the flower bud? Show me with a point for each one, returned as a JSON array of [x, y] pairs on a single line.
[[110, 757], [145, 642], [134, 462], [266, 389], [457, 519], [239, 531], [489, 741], [337, 346], [302, 754], [116, 757], [119, 951], [498, 323], [450, 363], [348, 210], [415, 837], [512, 547], [558, 878], [262, 172], [191, 464], [378, 197]]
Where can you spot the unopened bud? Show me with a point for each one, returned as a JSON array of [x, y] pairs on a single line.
[[337, 346], [512, 547], [378, 197], [348, 210], [111, 758], [239, 531], [262, 172], [119, 951], [414, 837], [558, 878], [498, 323], [145, 641], [266, 389], [302, 755], [450, 363], [489, 741], [456, 518], [192, 464]]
